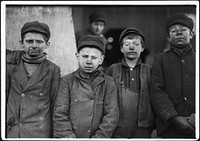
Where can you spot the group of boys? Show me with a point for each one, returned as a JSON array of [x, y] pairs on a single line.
[[130, 100]]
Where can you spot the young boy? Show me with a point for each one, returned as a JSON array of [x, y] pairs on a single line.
[[132, 78], [97, 24], [32, 83], [86, 105], [173, 81]]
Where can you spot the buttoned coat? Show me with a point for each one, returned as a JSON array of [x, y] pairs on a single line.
[[173, 86], [146, 116], [29, 103], [85, 109]]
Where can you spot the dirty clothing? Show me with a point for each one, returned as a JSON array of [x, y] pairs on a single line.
[[136, 113], [86, 106], [173, 87], [30, 100]]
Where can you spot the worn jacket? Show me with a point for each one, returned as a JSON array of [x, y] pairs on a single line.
[[173, 86], [29, 103], [145, 111], [86, 109]]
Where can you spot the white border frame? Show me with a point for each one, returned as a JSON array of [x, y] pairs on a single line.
[[71, 3]]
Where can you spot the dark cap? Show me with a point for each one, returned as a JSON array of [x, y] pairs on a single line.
[[128, 31], [97, 17], [93, 41], [37, 27], [180, 19]]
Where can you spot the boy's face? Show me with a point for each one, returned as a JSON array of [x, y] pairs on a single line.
[[180, 34], [132, 48], [97, 27], [89, 59], [34, 44]]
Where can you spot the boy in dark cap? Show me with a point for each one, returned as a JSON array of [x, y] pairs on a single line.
[[86, 105], [97, 23], [173, 81], [32, 84], [132, 78]]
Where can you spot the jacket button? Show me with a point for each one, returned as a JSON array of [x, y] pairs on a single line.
[[185, 98], [92, 100], [41, 94], [76, 100], [183, 61], [88, 131], [23, 95], [20, 124]]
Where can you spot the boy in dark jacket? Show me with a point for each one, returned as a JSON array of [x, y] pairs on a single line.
[[132, 78], [173, 81], [32, 84], [86, 105]]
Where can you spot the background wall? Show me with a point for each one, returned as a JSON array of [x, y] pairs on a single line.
[[59, 18]]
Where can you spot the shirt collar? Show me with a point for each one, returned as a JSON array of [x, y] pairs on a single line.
[[124, 64]]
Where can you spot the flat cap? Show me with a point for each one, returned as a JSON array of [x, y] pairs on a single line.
[[97, 17], [128, 31], [92, 41], [36, 26], [180, 19]]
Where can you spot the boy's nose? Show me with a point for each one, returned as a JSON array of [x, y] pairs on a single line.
[[132, 47]]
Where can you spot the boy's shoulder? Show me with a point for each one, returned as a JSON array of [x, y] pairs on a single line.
[[51, 64], [115, 66]]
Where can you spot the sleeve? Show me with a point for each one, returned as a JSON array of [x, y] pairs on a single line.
[[159, 97], [111, 113], [13, 57], [109, 71], [61, 120], [55, 85]]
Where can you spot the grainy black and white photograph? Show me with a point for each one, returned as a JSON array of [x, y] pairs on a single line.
[[111, 70]]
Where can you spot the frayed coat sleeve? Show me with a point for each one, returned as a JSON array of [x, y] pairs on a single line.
[[62, 124], [159, 97]]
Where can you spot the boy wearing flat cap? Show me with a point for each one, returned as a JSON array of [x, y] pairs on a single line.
[[32, 84], [97, 23], [132, 78], [86, 105], [173, 81]]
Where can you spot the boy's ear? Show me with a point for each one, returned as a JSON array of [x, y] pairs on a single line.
[[102, 58], [47, 45], [77, 55], [21, 44], [192, 34]]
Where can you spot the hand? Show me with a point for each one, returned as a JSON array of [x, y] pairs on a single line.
[[191, 120], [182, 126]]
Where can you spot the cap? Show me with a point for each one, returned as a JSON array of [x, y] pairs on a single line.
[[180, 19], [36, 26], [128, 31], [91, 41], [97, 17]]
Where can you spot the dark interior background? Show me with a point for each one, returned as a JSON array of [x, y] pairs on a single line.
[[150, 19]]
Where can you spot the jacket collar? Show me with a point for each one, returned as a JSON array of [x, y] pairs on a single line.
[[124, 64], [21, 76], [99, 78]]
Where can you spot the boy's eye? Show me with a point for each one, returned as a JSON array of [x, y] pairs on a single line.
[[29, 41], [93, 57], [84, 56], [39, 41]]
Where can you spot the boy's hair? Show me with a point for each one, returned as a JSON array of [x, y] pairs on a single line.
[[133, 36]]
